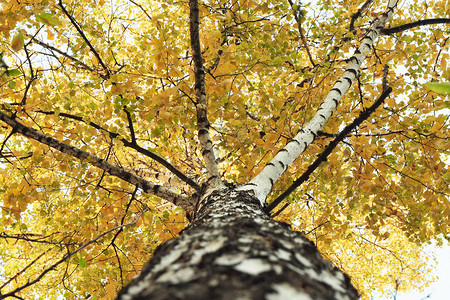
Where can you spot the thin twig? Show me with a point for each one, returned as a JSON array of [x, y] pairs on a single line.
[[298, 18], [69, 255], [78, 63], [130, 125], [77, 27]]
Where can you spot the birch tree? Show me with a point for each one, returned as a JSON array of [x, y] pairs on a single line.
[[197, 133]]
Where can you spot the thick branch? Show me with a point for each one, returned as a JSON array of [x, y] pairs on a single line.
[[98, 162], [134, 146], [323, 156], [407, 26], [262, 183], [200, 94]]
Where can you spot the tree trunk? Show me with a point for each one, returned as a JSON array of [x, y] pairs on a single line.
[[233, 250]]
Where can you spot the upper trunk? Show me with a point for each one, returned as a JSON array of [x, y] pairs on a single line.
[[232, 250]]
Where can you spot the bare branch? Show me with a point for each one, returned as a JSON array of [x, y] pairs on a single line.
[[98, 162], [200, 94], [23, 270], [323, 156], [407, 26], [28, 238]]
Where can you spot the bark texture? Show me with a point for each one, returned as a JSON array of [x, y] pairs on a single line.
[[233, 250]]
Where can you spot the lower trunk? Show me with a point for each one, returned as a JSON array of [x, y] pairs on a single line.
[[232, 250]]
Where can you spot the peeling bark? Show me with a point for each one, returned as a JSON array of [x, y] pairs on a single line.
[[233, 250]]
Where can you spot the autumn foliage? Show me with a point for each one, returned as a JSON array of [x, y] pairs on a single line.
[[116, 79]]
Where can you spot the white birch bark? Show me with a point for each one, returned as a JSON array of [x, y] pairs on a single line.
[[262, 183], [233, 250]]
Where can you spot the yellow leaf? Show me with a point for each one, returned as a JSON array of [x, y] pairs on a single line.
[[165, 115], [17, 42], [50, 35]]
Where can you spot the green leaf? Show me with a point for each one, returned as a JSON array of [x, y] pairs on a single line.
[[49, 19], [82, 263], [440, 88], [12, 84], [13, 72]]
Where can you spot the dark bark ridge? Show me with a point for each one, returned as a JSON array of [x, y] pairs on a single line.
[[233, 250]]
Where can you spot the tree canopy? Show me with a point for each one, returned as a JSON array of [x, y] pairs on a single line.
[[101, 133]]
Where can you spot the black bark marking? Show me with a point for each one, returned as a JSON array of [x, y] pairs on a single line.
[[348, 80], [355, 72], [295, 141], [212, 178], [337, 90], [368, 37], [368, 45]]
